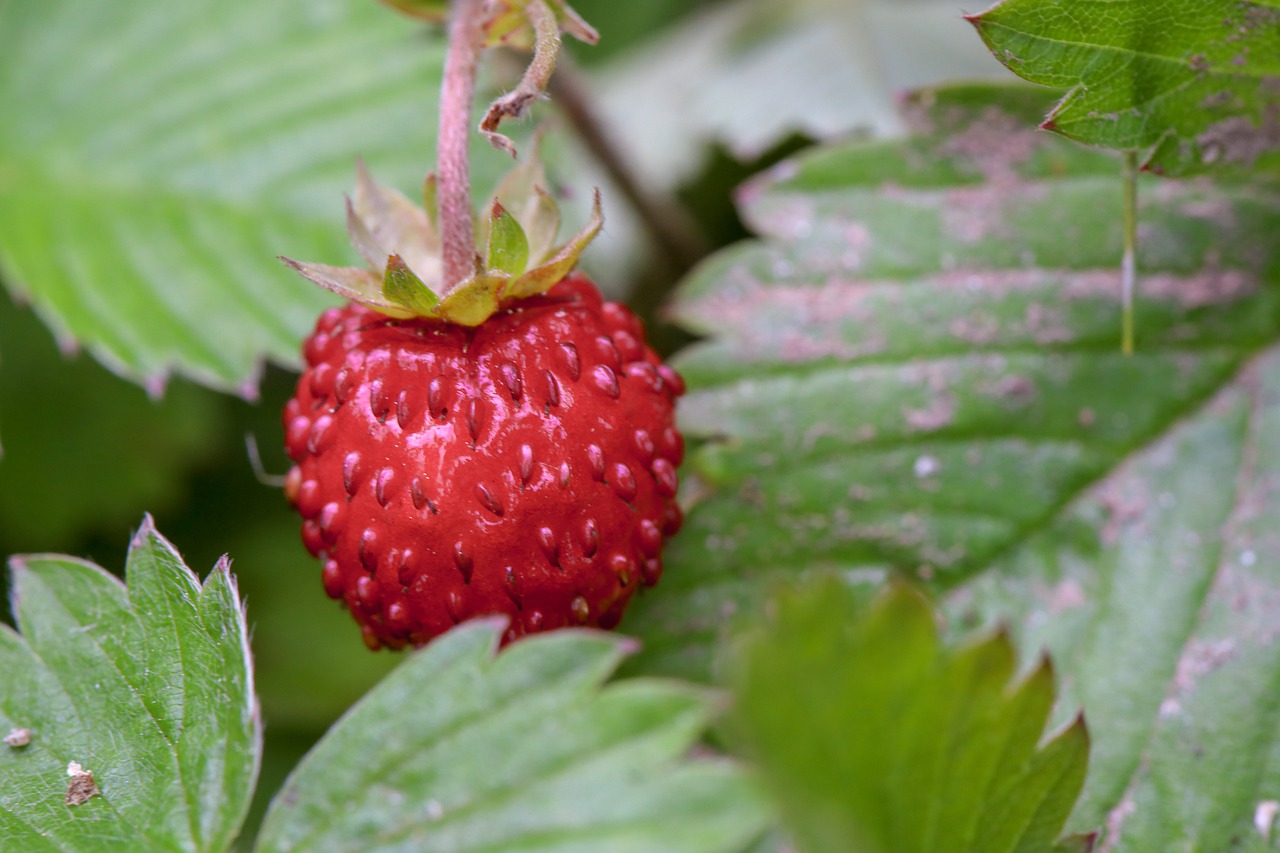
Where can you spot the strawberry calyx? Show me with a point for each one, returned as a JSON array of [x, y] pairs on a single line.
[[516, 258], [506, 21]]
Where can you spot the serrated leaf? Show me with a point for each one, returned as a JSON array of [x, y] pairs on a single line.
[[149, 688], [147, 187], [875, 738], [1191, 85], [1158, 591], [920, 363], [508, 248], [460, 750]]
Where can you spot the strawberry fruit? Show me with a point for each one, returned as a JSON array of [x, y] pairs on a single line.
[[520, 459]]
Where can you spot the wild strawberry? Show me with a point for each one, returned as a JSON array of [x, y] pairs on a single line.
[[450, 464]]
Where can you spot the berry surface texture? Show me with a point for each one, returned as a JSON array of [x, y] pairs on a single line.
[[524, 467]]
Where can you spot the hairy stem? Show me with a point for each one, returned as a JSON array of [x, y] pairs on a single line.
[[452, 165], [1129, 262]]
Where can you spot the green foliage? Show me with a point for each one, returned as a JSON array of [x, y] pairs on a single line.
[[874, 738], [1192, 85], [460, 750], [1157, 594], [147, 187], [913, 372], [918, 366], [917, 370], [148, 688]]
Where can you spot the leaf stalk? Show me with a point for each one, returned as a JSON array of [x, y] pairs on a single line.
[[1129, 261]]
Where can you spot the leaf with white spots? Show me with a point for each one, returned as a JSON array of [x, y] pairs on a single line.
[[1158, 592], [916, 370], [130, 714], [1193, 86], [918, 365], [461, 749]]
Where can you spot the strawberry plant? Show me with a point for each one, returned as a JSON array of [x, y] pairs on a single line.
[[970, 386]]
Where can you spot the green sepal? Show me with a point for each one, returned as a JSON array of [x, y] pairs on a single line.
[[521, 192], [402, 287], [472, 302], [508, 247], [510, 26], [424, 10], [354, 283], [544, 277], [573, 23], [401, 245]]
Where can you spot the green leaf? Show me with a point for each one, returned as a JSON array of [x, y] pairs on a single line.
[[917, 371], [1192, 85], [919, 365], [460, 750], [875, 738], [508, 247], [149, 688], [1159, 593], [147, 187]]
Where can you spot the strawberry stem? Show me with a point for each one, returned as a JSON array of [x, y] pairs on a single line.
[[466, 35]]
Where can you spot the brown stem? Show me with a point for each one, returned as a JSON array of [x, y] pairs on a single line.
[[466, 34], [676, 233]]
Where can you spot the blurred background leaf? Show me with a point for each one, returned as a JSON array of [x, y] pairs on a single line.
[[147, 186], [159, 162], [875, 738]]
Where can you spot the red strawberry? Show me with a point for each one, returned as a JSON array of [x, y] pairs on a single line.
[[526, 466]]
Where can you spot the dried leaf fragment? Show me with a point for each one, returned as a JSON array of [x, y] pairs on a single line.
[[82, 788], [17, 738]]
